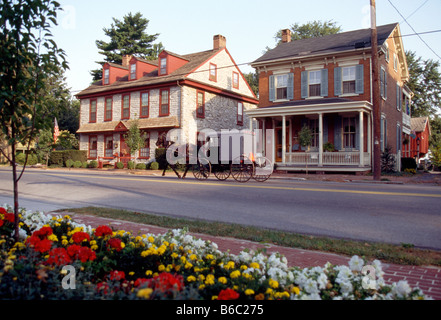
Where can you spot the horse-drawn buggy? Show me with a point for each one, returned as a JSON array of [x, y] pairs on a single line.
[[223, 154]]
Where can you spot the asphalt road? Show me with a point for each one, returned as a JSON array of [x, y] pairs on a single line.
[[397, 214]]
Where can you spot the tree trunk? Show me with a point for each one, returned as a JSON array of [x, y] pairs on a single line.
[[15, 181]]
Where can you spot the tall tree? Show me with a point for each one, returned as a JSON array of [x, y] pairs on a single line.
[[312, 29], [28, 58], [127, 36], [425, 83]]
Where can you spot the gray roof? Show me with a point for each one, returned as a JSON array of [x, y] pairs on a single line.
[[419, 124], [328, 44]]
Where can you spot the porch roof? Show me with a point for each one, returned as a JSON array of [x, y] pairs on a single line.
[[313, 106]]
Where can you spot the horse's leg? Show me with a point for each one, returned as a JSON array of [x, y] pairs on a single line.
[[186, 170]]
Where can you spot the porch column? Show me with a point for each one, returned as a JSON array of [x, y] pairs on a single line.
[[369, 133], [361, 135], [320, 142], [283, 139]]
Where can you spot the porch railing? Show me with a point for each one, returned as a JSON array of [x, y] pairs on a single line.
[[329, 158]]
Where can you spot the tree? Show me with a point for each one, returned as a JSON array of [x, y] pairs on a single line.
[[305, 140], [425, 83], [28, 58], [127, 37], [312, 29], [44, 145], [253, 80], [134, 139]]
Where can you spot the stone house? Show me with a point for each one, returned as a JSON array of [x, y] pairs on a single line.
[[191, 92], [326, 84]]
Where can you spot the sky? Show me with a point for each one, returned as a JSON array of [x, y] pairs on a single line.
[[248, 25]]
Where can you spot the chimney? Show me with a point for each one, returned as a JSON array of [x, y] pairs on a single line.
[[286, 35], [125, 60], [219, 42]]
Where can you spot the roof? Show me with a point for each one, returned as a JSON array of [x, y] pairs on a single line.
[[335, 43], [194, 61], [419, 124], [148, 123]]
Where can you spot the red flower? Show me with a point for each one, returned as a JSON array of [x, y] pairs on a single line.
[[228, 294], [102, 231], [117, 275], [2, 222], [3, 210], [86, 254], [140, 281], [73, 249], [115, 243], [43, 232], [80, 236], [59, 256], [10, 217], [40, 245], [166, 281]]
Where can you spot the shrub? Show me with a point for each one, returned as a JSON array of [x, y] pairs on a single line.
[[78, 164], [154, 166], [85, 164], [161, 158], [21, 157], [93, 164], [140, 166], [408, 170], [60, 157], [69, 163], [131, 165], [120, 165], [408, 163]]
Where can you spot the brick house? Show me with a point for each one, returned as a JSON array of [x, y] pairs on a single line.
[[417, 145], [326, 84], [190, 92]]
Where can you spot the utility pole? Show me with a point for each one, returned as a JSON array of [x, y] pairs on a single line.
[[376, 94]]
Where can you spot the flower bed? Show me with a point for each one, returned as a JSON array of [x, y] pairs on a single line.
[[114, 264]]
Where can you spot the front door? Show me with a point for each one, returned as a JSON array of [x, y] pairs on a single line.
[[279, 143], [123, 149]]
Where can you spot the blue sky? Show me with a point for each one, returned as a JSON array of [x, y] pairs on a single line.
[[249, 25]]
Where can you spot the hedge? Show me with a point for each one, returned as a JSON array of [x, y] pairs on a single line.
[[60, 157]]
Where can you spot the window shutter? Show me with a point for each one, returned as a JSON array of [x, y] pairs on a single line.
[[385, 85], [382, 135], [359, 79], [398, 96], [272, 89], [324, 84], [337, 81], [382, 83], [337, 133], [290, 89], [325, 130], [304, 84]]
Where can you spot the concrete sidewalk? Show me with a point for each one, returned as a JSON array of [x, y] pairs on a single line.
[[427, 278]]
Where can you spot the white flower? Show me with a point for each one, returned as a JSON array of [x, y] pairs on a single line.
[[402, 289], [356, 263], [322, 281], [311, 286]]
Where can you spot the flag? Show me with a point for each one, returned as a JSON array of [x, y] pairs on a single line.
[[56, 131]]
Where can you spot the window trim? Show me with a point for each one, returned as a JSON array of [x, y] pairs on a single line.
[[105, 108], [161, 104], [106, 76], [105, 145], [383, 83], [352, 134], [200, 115], [213, 67], [147, 141], [141, 106], [235, 83], [163, 70], [132, 73], [122, 106], [90, 110], [309, 83]]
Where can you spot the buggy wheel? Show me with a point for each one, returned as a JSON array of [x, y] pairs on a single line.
[[242, 169], [202, 170], [263, 168], [222, 171]]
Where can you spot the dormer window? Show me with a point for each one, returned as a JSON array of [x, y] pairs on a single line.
[[163, 66], [106, 76], [133, 71]]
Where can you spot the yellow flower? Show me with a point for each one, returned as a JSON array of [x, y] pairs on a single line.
[[193, 257], [222, 280], [148, 272], [201, 277], [188, 265], [144, 293], [209, 257], [249, 292], [295, 290], [273, 283], [243, 267], [214, 297], [269, 291], [131, 273], [229, 265], [52, 237], [235, 274], [254, 265], [281, 295], [161, 268], [191, 278], [151, 239], [209, 280], [174, 255], [247, 276]]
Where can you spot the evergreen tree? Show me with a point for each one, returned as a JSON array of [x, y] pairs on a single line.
[[127, 37]]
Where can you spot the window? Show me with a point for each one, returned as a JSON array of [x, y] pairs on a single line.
[[92, 111], [281, 87], [144, 112], [399, 97], [395, 62], [164, 107], [106, 76], [108, 109], [235, 80], [213, 72], [383, 136], [314, 83], [109, 147], [240, 113], [314, 127], [383, 83], [163, 69], [386, 51], [348, 77], [93, 147], [125, 112], [144, 152], [200, 105], [349, 133], [133, 71]]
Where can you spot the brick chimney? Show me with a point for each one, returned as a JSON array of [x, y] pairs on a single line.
[[219, 42], [286, 35], [125, 60]]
